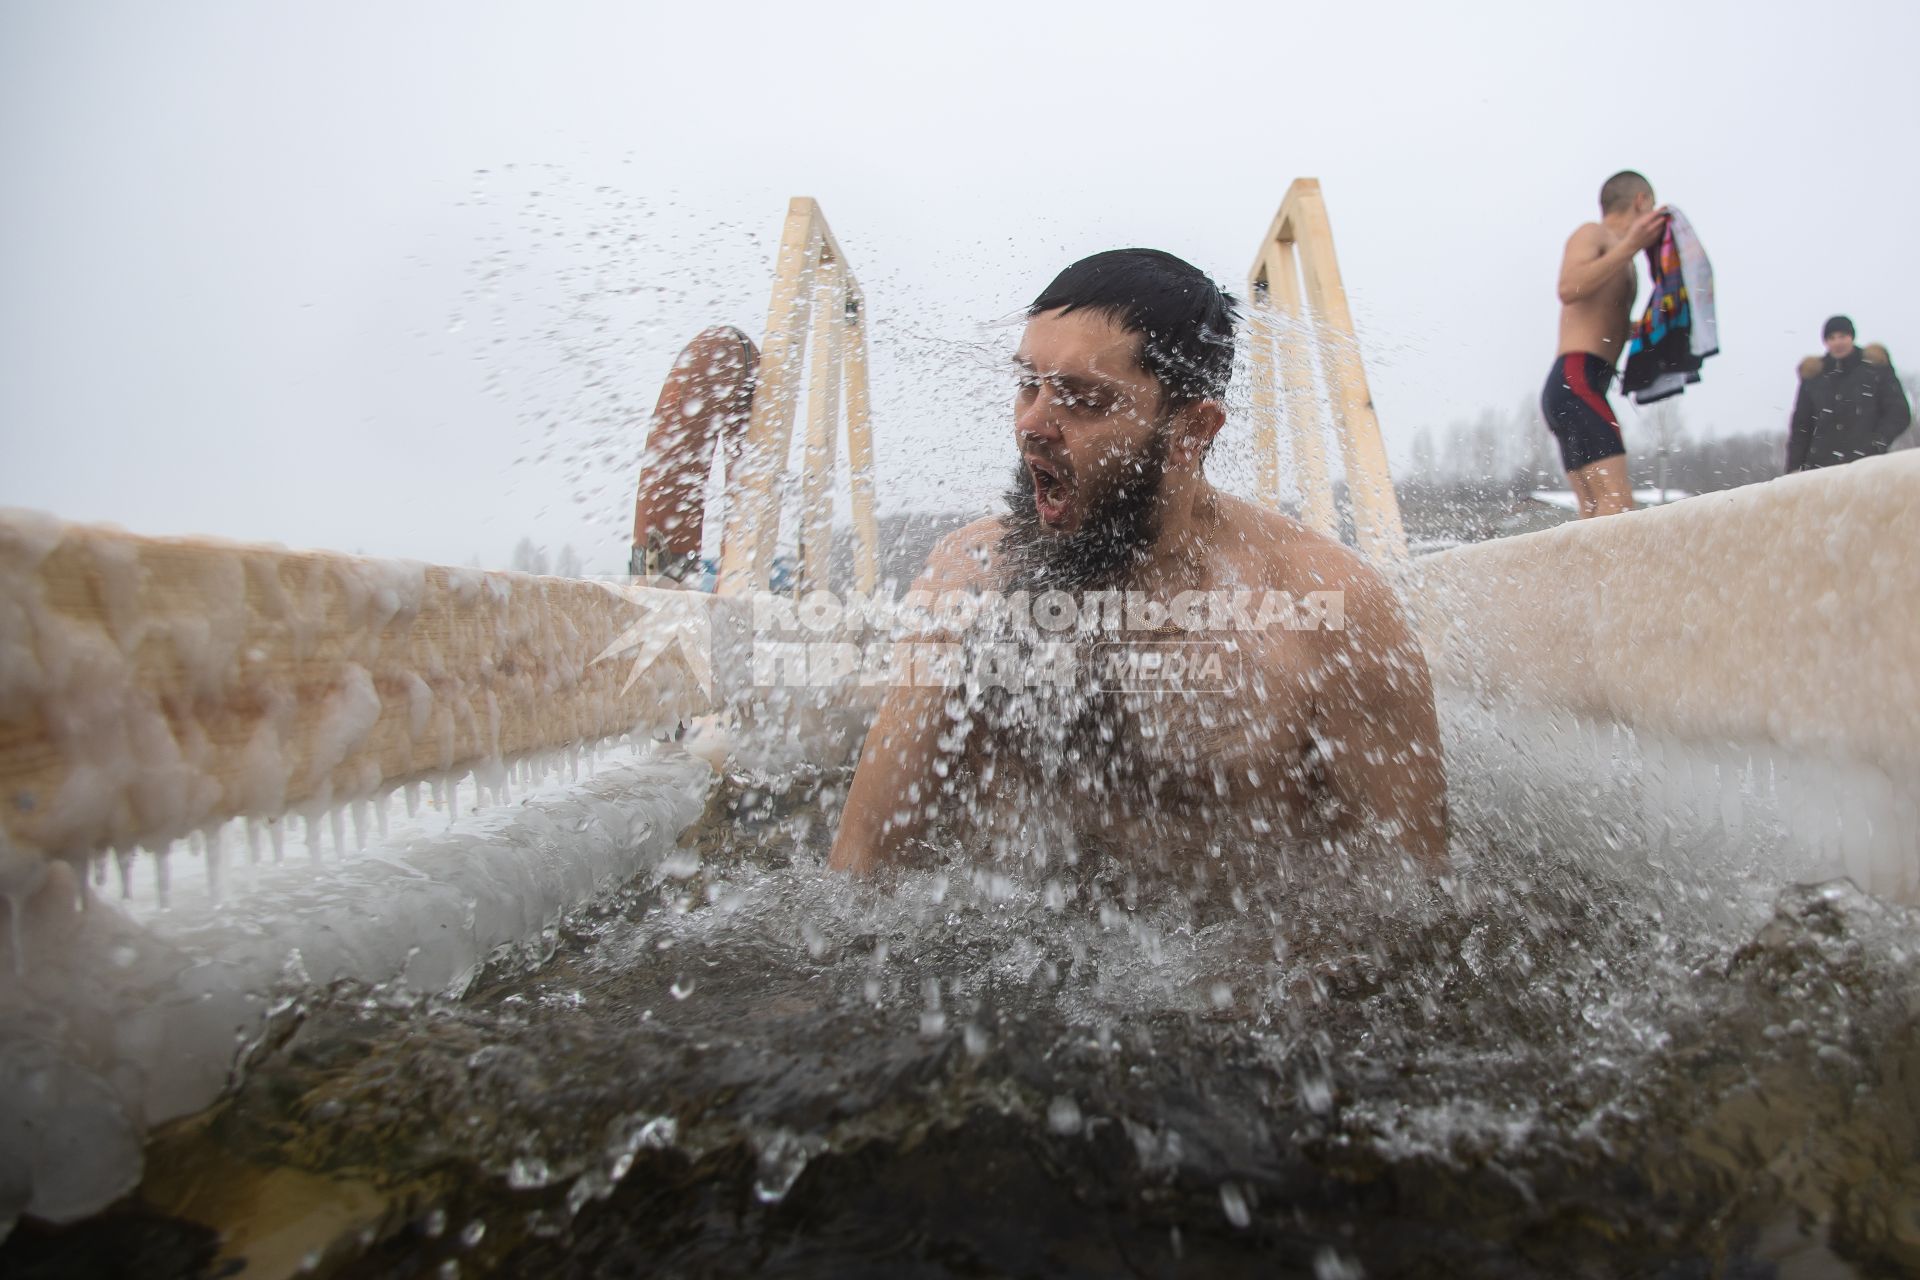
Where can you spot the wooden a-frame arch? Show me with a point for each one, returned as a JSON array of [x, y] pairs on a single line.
[[816, 304], [1297, 251]]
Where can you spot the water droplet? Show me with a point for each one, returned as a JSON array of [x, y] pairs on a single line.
[[1234, 1202], [528, 1173], [588, 1186], [783, 1158], [1331, 1264]]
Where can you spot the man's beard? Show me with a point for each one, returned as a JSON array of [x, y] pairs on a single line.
[[1076, 729], [1111, 541]]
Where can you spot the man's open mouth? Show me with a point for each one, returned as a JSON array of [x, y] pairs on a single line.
[[1052, 492]]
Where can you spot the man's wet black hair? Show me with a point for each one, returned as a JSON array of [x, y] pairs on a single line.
[[1184, 319]]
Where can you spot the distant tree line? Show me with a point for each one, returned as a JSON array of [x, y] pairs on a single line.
[[1473, 478], [1514, 452], [529, 557]]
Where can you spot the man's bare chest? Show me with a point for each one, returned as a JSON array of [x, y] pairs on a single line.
[[1192, 724]]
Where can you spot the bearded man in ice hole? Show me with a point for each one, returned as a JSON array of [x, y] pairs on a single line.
[[1326, 736]]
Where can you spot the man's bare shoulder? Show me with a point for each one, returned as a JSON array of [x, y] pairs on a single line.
[[1280, 553], [1287, 555], [1590, 238], [963, 558]]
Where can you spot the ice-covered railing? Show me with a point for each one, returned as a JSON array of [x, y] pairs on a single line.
[[1754, 652], [151, 689]]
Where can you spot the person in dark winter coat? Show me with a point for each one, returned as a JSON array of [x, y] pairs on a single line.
[[1850, 405]]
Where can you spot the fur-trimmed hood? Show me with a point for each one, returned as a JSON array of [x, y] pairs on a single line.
[[1873, 352]]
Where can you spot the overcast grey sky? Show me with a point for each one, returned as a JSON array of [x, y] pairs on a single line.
[[404, 277]]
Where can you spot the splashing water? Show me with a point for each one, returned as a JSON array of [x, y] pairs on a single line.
[[1542, 1065]]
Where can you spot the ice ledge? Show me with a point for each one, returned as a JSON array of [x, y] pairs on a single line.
[[117, 1025], [1779, 613], [1737, 671]]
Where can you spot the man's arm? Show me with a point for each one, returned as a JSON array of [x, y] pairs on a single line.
[[1377, 726], [887, 804], [1589, 262], [1895, 413], [1800, 429], [897, 777]]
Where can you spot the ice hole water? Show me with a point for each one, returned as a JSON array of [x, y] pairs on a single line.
[[1656, 1017]]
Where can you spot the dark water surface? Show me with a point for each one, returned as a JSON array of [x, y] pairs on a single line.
[[741, 1064]]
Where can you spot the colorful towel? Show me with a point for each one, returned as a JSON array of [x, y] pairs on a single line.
[[1680, 327]]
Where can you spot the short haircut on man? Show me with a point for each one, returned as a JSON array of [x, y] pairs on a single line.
[[1184, 319], [1619, 191]]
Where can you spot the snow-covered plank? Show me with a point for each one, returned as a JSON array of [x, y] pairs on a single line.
[[153, 687], [1780, 613]]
